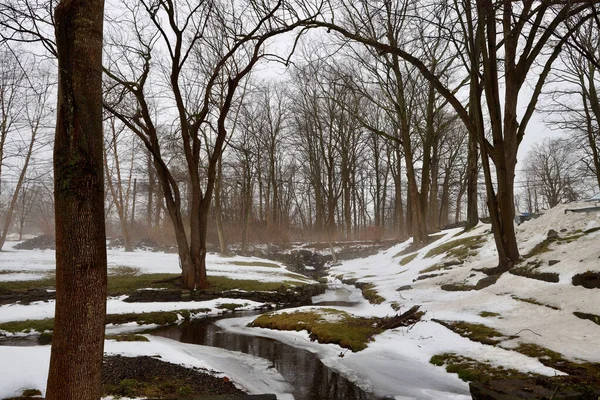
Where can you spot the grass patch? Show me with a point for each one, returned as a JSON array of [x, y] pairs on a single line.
[[530, 272], [45, 338], [552, 359], [459, 248], [370, 294], [540, 248], [408, 259], [148, 318], [475, 332], [471, 370], [457, 287], [230, 306], [533, 301], [129, 283], [15, 286], [583, 379], [123, 270], [488, 314], [413, 247], [128, 338], [439, 267], [28, 326], [325, 326], [590, 317], [255, 264]]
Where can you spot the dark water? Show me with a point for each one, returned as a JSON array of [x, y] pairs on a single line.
[[311, 379]]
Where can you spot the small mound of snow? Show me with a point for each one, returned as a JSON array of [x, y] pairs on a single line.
[[593, 224]]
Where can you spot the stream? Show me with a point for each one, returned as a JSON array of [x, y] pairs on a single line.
[[309, 377]]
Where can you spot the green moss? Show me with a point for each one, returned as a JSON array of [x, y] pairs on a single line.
[[475, 332], [459, 248], [414, 247], [325, 326], [128, 283], [128, 338], [435, 267], [16, 286], [395, 306], [45, 338], [488, 314], [573, 237], [121, 270], [540, 248], [408, 259], [255, 264], [158, 318], [370, 294], [471, 370], [552, 359], [230, 306], [590, 317], [36, 325], [539, 352]]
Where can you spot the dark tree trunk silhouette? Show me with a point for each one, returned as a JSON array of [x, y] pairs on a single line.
[[78, 341]]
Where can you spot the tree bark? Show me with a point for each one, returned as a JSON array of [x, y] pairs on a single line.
[[78, 340]]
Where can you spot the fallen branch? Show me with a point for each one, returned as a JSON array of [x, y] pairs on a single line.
[[410, 317]]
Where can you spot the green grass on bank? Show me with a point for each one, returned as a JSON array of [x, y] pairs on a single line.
[[326, 326], [128, 283]]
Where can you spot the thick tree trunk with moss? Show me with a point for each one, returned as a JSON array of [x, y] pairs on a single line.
[[78, 341]]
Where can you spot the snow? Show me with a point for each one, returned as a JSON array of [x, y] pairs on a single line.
[[28, 366], [35, 264], [396, 364]]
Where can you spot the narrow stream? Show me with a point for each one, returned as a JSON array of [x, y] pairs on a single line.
[[311, 379]]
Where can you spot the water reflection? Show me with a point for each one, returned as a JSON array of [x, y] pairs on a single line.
[[303, 370]]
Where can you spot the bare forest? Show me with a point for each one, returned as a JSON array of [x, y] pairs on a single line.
[[237, 124]]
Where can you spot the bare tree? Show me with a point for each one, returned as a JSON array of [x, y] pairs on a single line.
[[24, 101], [119, 186], [575, 103], [552, 168], [528, 32], [210, 49]]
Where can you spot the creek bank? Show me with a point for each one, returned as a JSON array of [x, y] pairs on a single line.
[[285, 296], [316, 256]]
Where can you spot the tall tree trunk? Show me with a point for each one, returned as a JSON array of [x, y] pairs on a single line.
[[151, 185], [472, 176], [219, 210], [78, 340]]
